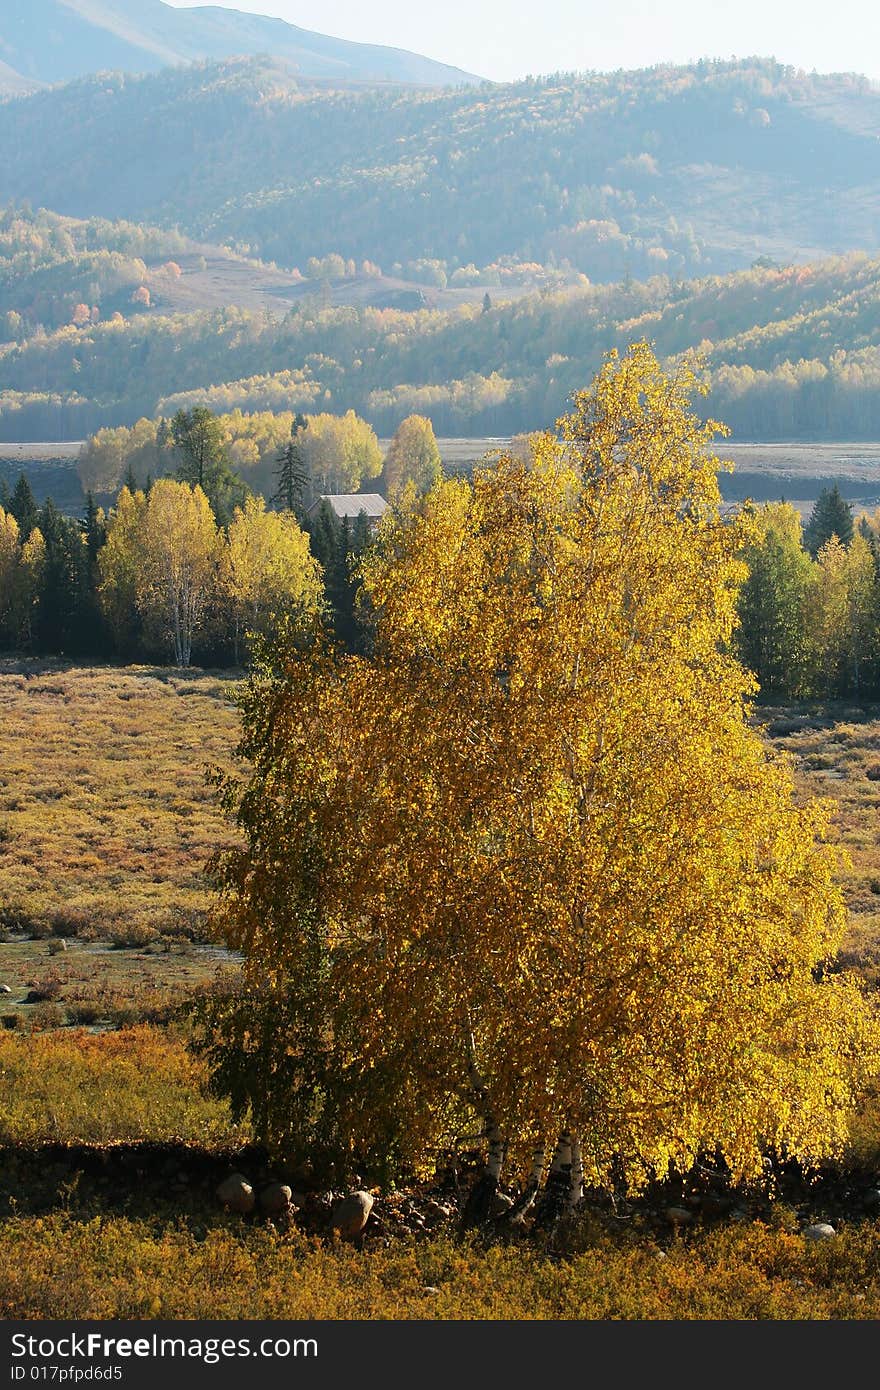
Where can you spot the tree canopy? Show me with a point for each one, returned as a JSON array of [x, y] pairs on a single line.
[[529, 859]]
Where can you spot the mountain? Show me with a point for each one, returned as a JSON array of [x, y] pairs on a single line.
[[51, 41], [681, 171]]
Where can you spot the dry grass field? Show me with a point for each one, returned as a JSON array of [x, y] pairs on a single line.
[[106, 823], [835, 753], [111, 1145], [106, 819], [62, 1266]]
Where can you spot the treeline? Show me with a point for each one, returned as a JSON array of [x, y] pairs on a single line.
[[192, 566], [338, 453], [627, 173], [195, 564], [156, 578], [809, 608], [789, 352]]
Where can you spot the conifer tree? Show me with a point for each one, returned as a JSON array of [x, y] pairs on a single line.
[[61, 621], [831, 516], [23, 507], [203, 461], [293, 473], [774, 637]]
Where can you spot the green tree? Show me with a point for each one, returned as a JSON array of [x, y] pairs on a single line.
[[61, 622], [774, 636], [23, 507], [203, 461], [831, 516], [293, 474]]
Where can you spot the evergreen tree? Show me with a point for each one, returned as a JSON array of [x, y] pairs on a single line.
[[5, 495], [773, 603], [62, 619], [293, 473], [23, 507], [831, 516], [91, 621], [203, 461], [94, 528]]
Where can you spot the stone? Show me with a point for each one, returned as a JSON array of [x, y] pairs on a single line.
[[679, 1216], [820, 1230], [351, 1215], [276, 1199], [236, 1194]]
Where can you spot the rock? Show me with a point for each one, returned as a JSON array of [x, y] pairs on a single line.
[[501, 1203], [439, 1209], [5, 989], [276, 1199], [820, 1230], [679, 1216], [236, 1194], [351, 1215]]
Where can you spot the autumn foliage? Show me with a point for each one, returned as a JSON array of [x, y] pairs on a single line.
[[530, 860]]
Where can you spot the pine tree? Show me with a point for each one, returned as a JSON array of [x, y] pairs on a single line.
[[23, 507], [61, 624], [293, 473], [203, 461], [831, 516], [773, 603]]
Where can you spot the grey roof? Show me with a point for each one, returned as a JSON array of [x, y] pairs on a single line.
[[351, 504]]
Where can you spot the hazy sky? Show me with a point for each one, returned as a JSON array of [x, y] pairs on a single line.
[[504, 39]]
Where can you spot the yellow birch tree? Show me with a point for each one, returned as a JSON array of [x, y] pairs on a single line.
[[530, 860]]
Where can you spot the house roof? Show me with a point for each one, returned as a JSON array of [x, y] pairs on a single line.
[[351, 504]]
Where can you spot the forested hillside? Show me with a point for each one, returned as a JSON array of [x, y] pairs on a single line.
[[676, 170], [86, 342]]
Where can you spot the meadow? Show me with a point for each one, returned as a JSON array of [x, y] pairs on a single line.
[[111, 1144]]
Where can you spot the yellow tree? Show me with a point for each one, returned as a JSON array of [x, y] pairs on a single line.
[[267, 570], [178, 558], [341, 452], [119, 567], [412, 456], [10, 555], [530, 859], [829, 610], [861, 609]]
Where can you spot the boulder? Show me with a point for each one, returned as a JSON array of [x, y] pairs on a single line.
[[679, 1216], [276, 1199], [236, 1194], [351, 1215], [820, 1230]]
